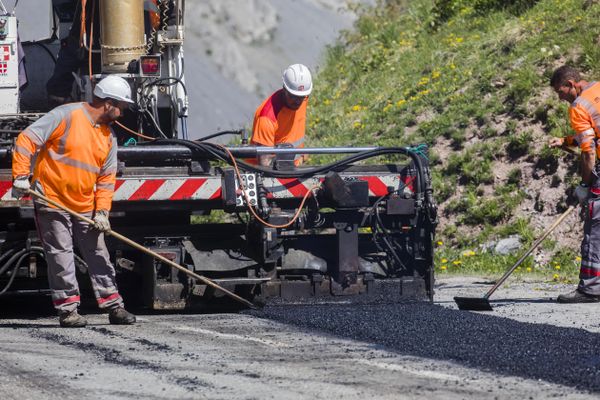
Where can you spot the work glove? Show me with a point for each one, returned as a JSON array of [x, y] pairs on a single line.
[[582, 193], [20, 186], [101, 221]]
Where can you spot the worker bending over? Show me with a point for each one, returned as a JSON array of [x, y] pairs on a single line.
[[281, 118], [75, 165], [584, 115]]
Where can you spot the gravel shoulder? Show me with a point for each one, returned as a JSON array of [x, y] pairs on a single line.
[[528, 347]]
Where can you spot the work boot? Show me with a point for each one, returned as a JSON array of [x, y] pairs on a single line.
[[71, 319], [577, 296], [120, 316]]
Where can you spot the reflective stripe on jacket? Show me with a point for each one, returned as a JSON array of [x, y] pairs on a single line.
[[584, 115], [76, 161]]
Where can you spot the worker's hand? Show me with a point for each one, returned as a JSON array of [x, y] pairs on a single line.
[[556, 142], [582, 193], [101, 220], [20, 186]]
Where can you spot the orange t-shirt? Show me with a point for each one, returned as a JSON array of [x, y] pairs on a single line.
[[274, 123], [584, 115], [76, 161]]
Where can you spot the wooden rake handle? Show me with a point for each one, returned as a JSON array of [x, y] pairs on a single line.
[[147, 251], [528, 252]]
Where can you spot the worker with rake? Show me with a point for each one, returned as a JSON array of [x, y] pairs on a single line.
[[75, 165], [584, 115]]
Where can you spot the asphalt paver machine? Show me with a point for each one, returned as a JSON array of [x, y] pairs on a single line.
[[341, 229]]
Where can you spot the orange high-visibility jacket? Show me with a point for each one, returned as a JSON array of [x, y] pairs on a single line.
[[76, 161], [584, 115], [274, 123]]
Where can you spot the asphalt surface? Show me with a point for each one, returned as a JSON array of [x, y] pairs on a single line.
[[528, 347], [567, 356]]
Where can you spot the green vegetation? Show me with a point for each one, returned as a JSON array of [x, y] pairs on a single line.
[[470, 75]]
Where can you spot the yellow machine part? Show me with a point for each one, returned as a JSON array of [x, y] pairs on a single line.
[[121, 33]]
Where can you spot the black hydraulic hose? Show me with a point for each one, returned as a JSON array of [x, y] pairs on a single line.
[[6, 255], [11, 260], [14, 273], [222, 133], [12, 278], [218, 153], [17, 256]]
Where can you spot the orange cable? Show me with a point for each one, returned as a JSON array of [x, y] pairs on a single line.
[[262, 221], [134, 132]]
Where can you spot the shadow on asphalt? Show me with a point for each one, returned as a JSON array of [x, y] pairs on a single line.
[[566, 356]]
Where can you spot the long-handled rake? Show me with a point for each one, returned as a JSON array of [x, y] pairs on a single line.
[[483, 303]]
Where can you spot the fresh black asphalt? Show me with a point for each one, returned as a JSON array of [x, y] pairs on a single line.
[[536, 351]]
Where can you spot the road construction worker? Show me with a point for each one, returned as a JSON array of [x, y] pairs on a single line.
[[75, 165], [584, 115], [281, 118]]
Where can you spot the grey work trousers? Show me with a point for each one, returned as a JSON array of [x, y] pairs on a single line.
[[58, 230], [589, 273]]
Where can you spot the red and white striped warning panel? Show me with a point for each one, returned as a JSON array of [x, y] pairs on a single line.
[[168, 189], [281, 188], [209, 188]]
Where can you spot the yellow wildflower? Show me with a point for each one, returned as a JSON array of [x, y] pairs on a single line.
[[444, 260], [356, 107], [555, 277], [578, 259], [400, 103], [457, 262], [529, 269], [443, 267], [439, 243], [557, 267]]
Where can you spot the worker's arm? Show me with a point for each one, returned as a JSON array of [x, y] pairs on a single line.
[[32, 139], [105, 183], [588, 161], [582, 124], [263, 134]]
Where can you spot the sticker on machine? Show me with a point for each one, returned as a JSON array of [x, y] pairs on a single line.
[[5, 53], [4, 58]]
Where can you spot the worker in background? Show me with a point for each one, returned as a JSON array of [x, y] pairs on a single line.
[[281, 118], [75, 165], [584, 115]]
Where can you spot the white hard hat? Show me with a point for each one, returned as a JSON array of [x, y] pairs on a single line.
[[114, 87], [297, 80]]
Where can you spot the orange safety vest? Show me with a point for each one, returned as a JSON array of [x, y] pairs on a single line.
[[584, 115], [274, 123], [76, 161]]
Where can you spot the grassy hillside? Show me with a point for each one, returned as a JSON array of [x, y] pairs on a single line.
[[470, 79]]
